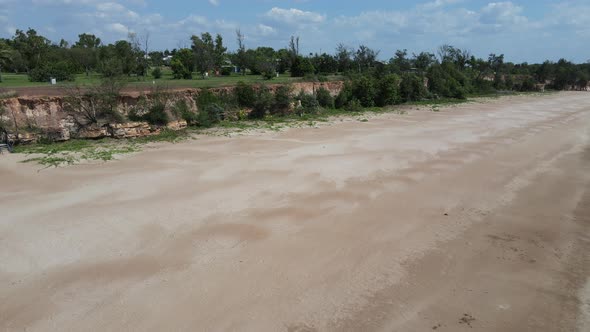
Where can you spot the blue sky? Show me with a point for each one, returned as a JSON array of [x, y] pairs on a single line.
[[523, 30]]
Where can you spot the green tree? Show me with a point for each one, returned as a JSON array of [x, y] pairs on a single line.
[[209, 54], [219, 53], [85, 52], [388, 90], [263, 103], [412, 88], [344, 58], [245, 94], [365, 58], [32, 46], [423, 61], [182, 64], [88, 41], [5, 57], [301, 66], [126, 56], [282, 101], [364, 90], [325, 63], [400, 62], [324, 98]]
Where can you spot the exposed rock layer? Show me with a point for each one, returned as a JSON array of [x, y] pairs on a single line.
[[37, 116]]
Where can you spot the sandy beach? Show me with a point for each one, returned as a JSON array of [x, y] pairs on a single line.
[[472, 218]]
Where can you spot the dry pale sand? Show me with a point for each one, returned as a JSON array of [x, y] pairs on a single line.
[[475, 218]]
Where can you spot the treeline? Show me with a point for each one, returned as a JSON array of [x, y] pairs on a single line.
[[452, 72]]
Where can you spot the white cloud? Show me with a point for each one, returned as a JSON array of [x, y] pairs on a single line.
[[265, 30], [114, 11], [502, 13], [214, 2], [571, 15], [117, 28], [110, 6], [439, 4], [294, 16]]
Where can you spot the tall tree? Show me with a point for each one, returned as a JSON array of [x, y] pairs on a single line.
[[85, 51], [423, 61], [204, 51], [344, 57], [219, 55], [365, 57], [400, 61], [240, 58], [5, 57], [183, 64], [294, 46], [138, 42], [88, 41], [32, 46]]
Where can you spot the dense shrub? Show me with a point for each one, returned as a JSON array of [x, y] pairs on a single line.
[[263, 103], [206, 98], [388, 90], [509, 82], [354, 106], [324, 98], [323, 78], [268, 73], [301, 66], [412, 88], [282, 101], [155, 114], [245, 95], [363, 89], [344, 96], [309, 102], [457, 90], [182, 110], [498, 82], [183, 64], [61, 71], [226, 71], [210, 115], [179, 70], [483, 86], [157, 73], [528, 84], [446, 81], [111, 68]]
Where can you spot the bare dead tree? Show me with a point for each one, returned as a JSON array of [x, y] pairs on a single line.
[[146, 42], [94, 104], [241, 54], [294, 46]]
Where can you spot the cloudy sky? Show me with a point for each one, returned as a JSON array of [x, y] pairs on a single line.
[[528, 30]]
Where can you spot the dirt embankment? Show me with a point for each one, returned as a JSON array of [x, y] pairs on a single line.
[[41, 109]]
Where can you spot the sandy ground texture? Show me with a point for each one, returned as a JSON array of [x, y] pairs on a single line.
[[475, 218]]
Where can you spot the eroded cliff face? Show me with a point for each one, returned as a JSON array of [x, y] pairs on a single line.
[[45, 116]]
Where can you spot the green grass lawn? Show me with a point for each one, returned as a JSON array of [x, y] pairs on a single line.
[[22, 80]]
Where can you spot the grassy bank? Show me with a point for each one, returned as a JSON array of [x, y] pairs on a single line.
[[22, 81], [78, 150]]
